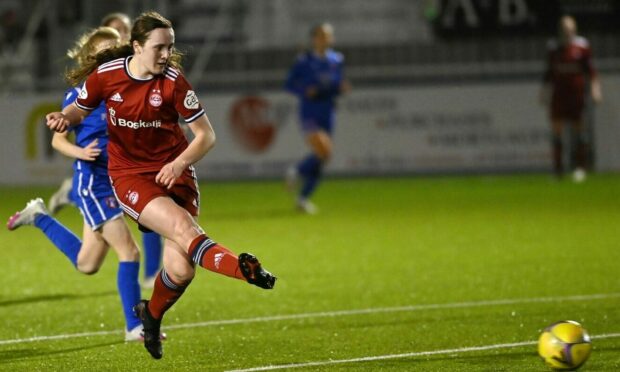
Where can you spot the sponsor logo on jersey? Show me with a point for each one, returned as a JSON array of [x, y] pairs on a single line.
[[83, 93], [138, 124], [191, 101], [155, 99], [116, 97], [120, 122], [217, 259]]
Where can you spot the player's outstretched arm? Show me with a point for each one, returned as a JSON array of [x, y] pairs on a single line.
[[70, 116], [204, 140]]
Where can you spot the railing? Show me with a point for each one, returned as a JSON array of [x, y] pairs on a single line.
[[215, 61]]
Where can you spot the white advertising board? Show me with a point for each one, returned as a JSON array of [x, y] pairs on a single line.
[[442, 129]]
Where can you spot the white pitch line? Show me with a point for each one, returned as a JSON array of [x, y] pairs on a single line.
[[324, 314], [405, 355]]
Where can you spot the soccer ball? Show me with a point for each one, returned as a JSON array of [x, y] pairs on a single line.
[[564, 345]]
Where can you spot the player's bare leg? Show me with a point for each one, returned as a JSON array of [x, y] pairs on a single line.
[[185, 246], [321, 145], [93, 251]]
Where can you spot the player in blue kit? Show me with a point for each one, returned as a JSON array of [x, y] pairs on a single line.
[[104, 225], [317, 79], [151, 241]]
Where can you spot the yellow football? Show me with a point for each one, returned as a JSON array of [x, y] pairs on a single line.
[[564, 345]]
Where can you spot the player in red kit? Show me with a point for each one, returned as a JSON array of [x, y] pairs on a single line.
[[569, 70], [150, 160]]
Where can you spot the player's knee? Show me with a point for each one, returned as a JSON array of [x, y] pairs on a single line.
[[88, 268], [181, 273], [323, 152], [325, 155], [184, 230], [129, 253]]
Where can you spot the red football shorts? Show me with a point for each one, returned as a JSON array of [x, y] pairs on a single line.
[[567, 105], [135, 191]]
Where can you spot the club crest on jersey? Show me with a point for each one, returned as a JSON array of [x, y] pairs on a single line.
[[133, 197], [155, 99], [191, 101], [111, 202]]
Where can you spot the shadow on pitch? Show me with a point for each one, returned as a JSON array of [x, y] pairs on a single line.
[[7, 356], [51, 298]]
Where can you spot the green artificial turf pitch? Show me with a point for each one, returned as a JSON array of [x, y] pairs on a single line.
[[420, 274]]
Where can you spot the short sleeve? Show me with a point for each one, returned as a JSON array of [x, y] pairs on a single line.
[[70, 96], [185, 100], [90, 96]]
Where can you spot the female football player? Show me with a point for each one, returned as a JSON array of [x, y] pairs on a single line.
[[317, 79], [150, 160], [569, 72], [120, 22], [104, 225], [151, 241]]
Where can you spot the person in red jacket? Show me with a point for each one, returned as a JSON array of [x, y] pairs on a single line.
[[568, 76]]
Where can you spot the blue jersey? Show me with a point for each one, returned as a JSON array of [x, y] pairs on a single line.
[[323, 73], [92, 192], [93, 127]]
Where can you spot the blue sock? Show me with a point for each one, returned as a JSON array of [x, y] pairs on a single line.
[[151, 242], [308, 165], [129, 290], [311, 169], [63, 238]]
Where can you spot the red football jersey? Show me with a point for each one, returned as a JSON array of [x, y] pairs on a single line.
[[142, 114], [569, 65]]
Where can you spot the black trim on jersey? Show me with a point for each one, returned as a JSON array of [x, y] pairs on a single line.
[[82, 107], [131, 76], [194, 117]]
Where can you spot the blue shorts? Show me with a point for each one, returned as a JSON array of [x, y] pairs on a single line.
[[93, 195], [311, 124]]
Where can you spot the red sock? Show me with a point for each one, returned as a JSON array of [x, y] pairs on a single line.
[[557, 156], [213, 257], [165, 294]]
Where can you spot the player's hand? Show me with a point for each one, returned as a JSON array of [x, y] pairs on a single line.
[[312, 92], [169, 173], [57, 122], [345, 87], [91, 151], [597, 95]]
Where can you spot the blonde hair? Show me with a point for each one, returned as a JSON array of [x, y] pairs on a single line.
[[106, 20], [85, 48]]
